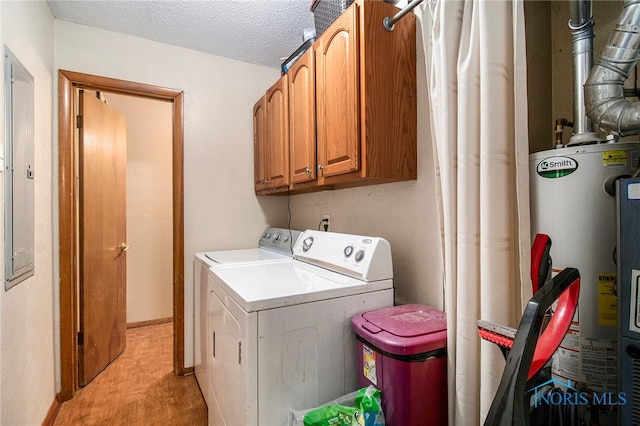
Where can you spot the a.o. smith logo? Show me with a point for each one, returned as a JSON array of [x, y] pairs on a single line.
[[555, 167]]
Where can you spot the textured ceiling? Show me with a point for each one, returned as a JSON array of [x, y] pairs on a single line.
[[260, 32]]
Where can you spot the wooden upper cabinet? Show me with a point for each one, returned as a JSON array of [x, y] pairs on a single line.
[[388, 101], [278, 134], [345, 114], [271, 139], [260, 145], [337, 91], [302, 119], [366, 98]]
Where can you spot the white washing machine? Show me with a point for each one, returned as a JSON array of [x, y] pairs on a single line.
[[281, 332], [275, 244]]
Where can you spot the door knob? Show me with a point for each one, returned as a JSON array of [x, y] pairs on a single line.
[[124, 246]]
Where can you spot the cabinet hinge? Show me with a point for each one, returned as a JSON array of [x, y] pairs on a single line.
[[79, 121], [80, 338], [239, 352]]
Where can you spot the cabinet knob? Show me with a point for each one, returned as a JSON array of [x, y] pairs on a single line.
[[307, 170], [320, 167]]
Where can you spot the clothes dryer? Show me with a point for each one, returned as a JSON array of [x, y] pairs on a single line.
[[281, 332], [274, 245]]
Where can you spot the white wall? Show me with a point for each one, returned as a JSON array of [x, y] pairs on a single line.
[[27, 310], [149, 206], [221, 210]]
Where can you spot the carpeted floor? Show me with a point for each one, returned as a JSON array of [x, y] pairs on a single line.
[[139, 387]]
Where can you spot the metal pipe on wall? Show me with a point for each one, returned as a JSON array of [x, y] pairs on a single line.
[[604, 98], [581, 25]]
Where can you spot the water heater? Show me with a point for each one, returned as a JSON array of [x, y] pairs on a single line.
[[573, 201]]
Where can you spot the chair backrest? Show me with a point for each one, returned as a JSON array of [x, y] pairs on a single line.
[[531, 350]]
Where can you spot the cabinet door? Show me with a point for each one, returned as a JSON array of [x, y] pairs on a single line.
[[277, 134], [260, 145], [302, 119], [338, 101]]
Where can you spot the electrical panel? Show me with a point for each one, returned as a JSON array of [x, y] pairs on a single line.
[[19, 172]]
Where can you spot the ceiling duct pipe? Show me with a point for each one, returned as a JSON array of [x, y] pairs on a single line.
[[604, 90], [581, 26]]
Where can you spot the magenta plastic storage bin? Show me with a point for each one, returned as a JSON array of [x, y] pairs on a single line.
[[402, 351]]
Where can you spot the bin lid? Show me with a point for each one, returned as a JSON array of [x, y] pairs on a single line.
[[408, 320], [403, 329]]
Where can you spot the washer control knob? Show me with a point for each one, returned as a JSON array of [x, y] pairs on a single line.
[[267, 235], [348, 251], [276, 237], [307, 243], [359, 255], [285, 238]]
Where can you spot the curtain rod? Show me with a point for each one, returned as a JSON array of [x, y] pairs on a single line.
[[389, 22]]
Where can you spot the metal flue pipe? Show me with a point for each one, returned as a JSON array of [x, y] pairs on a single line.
[[581, 25], [605, 103]]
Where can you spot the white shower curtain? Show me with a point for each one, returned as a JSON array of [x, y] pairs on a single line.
[[476, 72]]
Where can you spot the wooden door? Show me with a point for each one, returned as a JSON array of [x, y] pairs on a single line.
[[102, 233], [278, 134], [260, 150], [337, 83], [302, 119]]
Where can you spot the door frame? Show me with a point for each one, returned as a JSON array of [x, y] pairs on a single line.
[[68, 82]]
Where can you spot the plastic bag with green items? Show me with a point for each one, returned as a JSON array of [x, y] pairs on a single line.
[[360, 408]]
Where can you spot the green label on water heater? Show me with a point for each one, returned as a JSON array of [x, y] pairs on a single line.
[[555, 167]]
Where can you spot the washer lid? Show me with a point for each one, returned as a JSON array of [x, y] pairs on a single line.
[[406, 320], [269, 285], [243, 255]]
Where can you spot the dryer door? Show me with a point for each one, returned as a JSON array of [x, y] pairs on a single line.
[[228, 358]]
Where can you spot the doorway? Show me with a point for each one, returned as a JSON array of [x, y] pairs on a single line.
[[68, 82], [149, 216]]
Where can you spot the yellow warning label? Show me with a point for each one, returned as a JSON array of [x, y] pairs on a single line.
[[607, 300], [616, 157], [369, 364]]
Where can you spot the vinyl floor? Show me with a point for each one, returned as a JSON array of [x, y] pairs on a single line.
[[138, 388]]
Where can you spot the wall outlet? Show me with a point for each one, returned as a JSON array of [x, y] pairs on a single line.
[[326, 220]]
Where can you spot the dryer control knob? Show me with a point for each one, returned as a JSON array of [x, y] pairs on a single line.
[[348, 251], [359, 255], [307, 243]]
